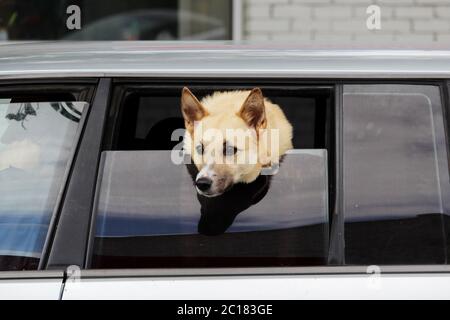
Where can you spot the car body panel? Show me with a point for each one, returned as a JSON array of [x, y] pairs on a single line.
[[373, 286], [170, 59], [30, 285]]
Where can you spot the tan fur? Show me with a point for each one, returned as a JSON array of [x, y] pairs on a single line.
[[234, 110]]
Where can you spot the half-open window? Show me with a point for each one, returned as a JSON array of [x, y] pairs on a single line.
[[144, 117], [148, 213]]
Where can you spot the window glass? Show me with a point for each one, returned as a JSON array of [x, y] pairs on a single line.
[[115, 20], [396, 177], [36, 140], [148, 214]]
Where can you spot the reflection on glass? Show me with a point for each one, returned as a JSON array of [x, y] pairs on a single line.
[[148, 210], [115, 20], [396, 179], [35, 144]]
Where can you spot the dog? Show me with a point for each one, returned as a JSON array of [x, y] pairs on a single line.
[[231, 136]]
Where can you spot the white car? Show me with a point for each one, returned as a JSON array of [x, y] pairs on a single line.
[[93, 205]]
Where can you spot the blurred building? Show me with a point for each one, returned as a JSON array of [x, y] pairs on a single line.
[[405, 22]]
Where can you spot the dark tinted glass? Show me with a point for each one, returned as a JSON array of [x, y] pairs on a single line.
[[148, 214], [115, 20], [396, 178], [36, 141]]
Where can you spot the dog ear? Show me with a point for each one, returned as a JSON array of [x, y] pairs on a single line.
[[191, 108], [253, 110]]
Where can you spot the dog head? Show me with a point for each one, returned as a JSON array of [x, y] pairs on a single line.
[[224, 145]]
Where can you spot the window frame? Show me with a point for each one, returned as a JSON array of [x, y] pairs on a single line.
[[123, 87], [69, 241], [82, 90], [445, 96], [337, 240]]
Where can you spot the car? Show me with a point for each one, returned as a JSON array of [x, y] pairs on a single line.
[[149, 25], [97, 197]]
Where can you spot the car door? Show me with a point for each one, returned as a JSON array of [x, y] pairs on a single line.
[[382, 150], [31, 285]]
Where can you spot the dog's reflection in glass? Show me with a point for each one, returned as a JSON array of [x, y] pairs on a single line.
[[218, 213]]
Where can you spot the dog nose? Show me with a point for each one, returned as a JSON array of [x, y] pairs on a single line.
[[203, 183]]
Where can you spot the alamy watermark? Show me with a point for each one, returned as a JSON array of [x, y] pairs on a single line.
[[373, 21], [73, 21], [229, 146], [374, 281], [73, 274]]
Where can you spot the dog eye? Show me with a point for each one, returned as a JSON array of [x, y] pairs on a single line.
[[229, 150], [199, 149]]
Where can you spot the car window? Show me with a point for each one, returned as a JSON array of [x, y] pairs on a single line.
[[149, 215], [395, 175], [36, 142]]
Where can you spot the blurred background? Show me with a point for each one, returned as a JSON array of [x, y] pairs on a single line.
[[309, 22]]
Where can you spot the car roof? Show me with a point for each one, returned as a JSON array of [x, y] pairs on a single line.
[[215, 59]]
